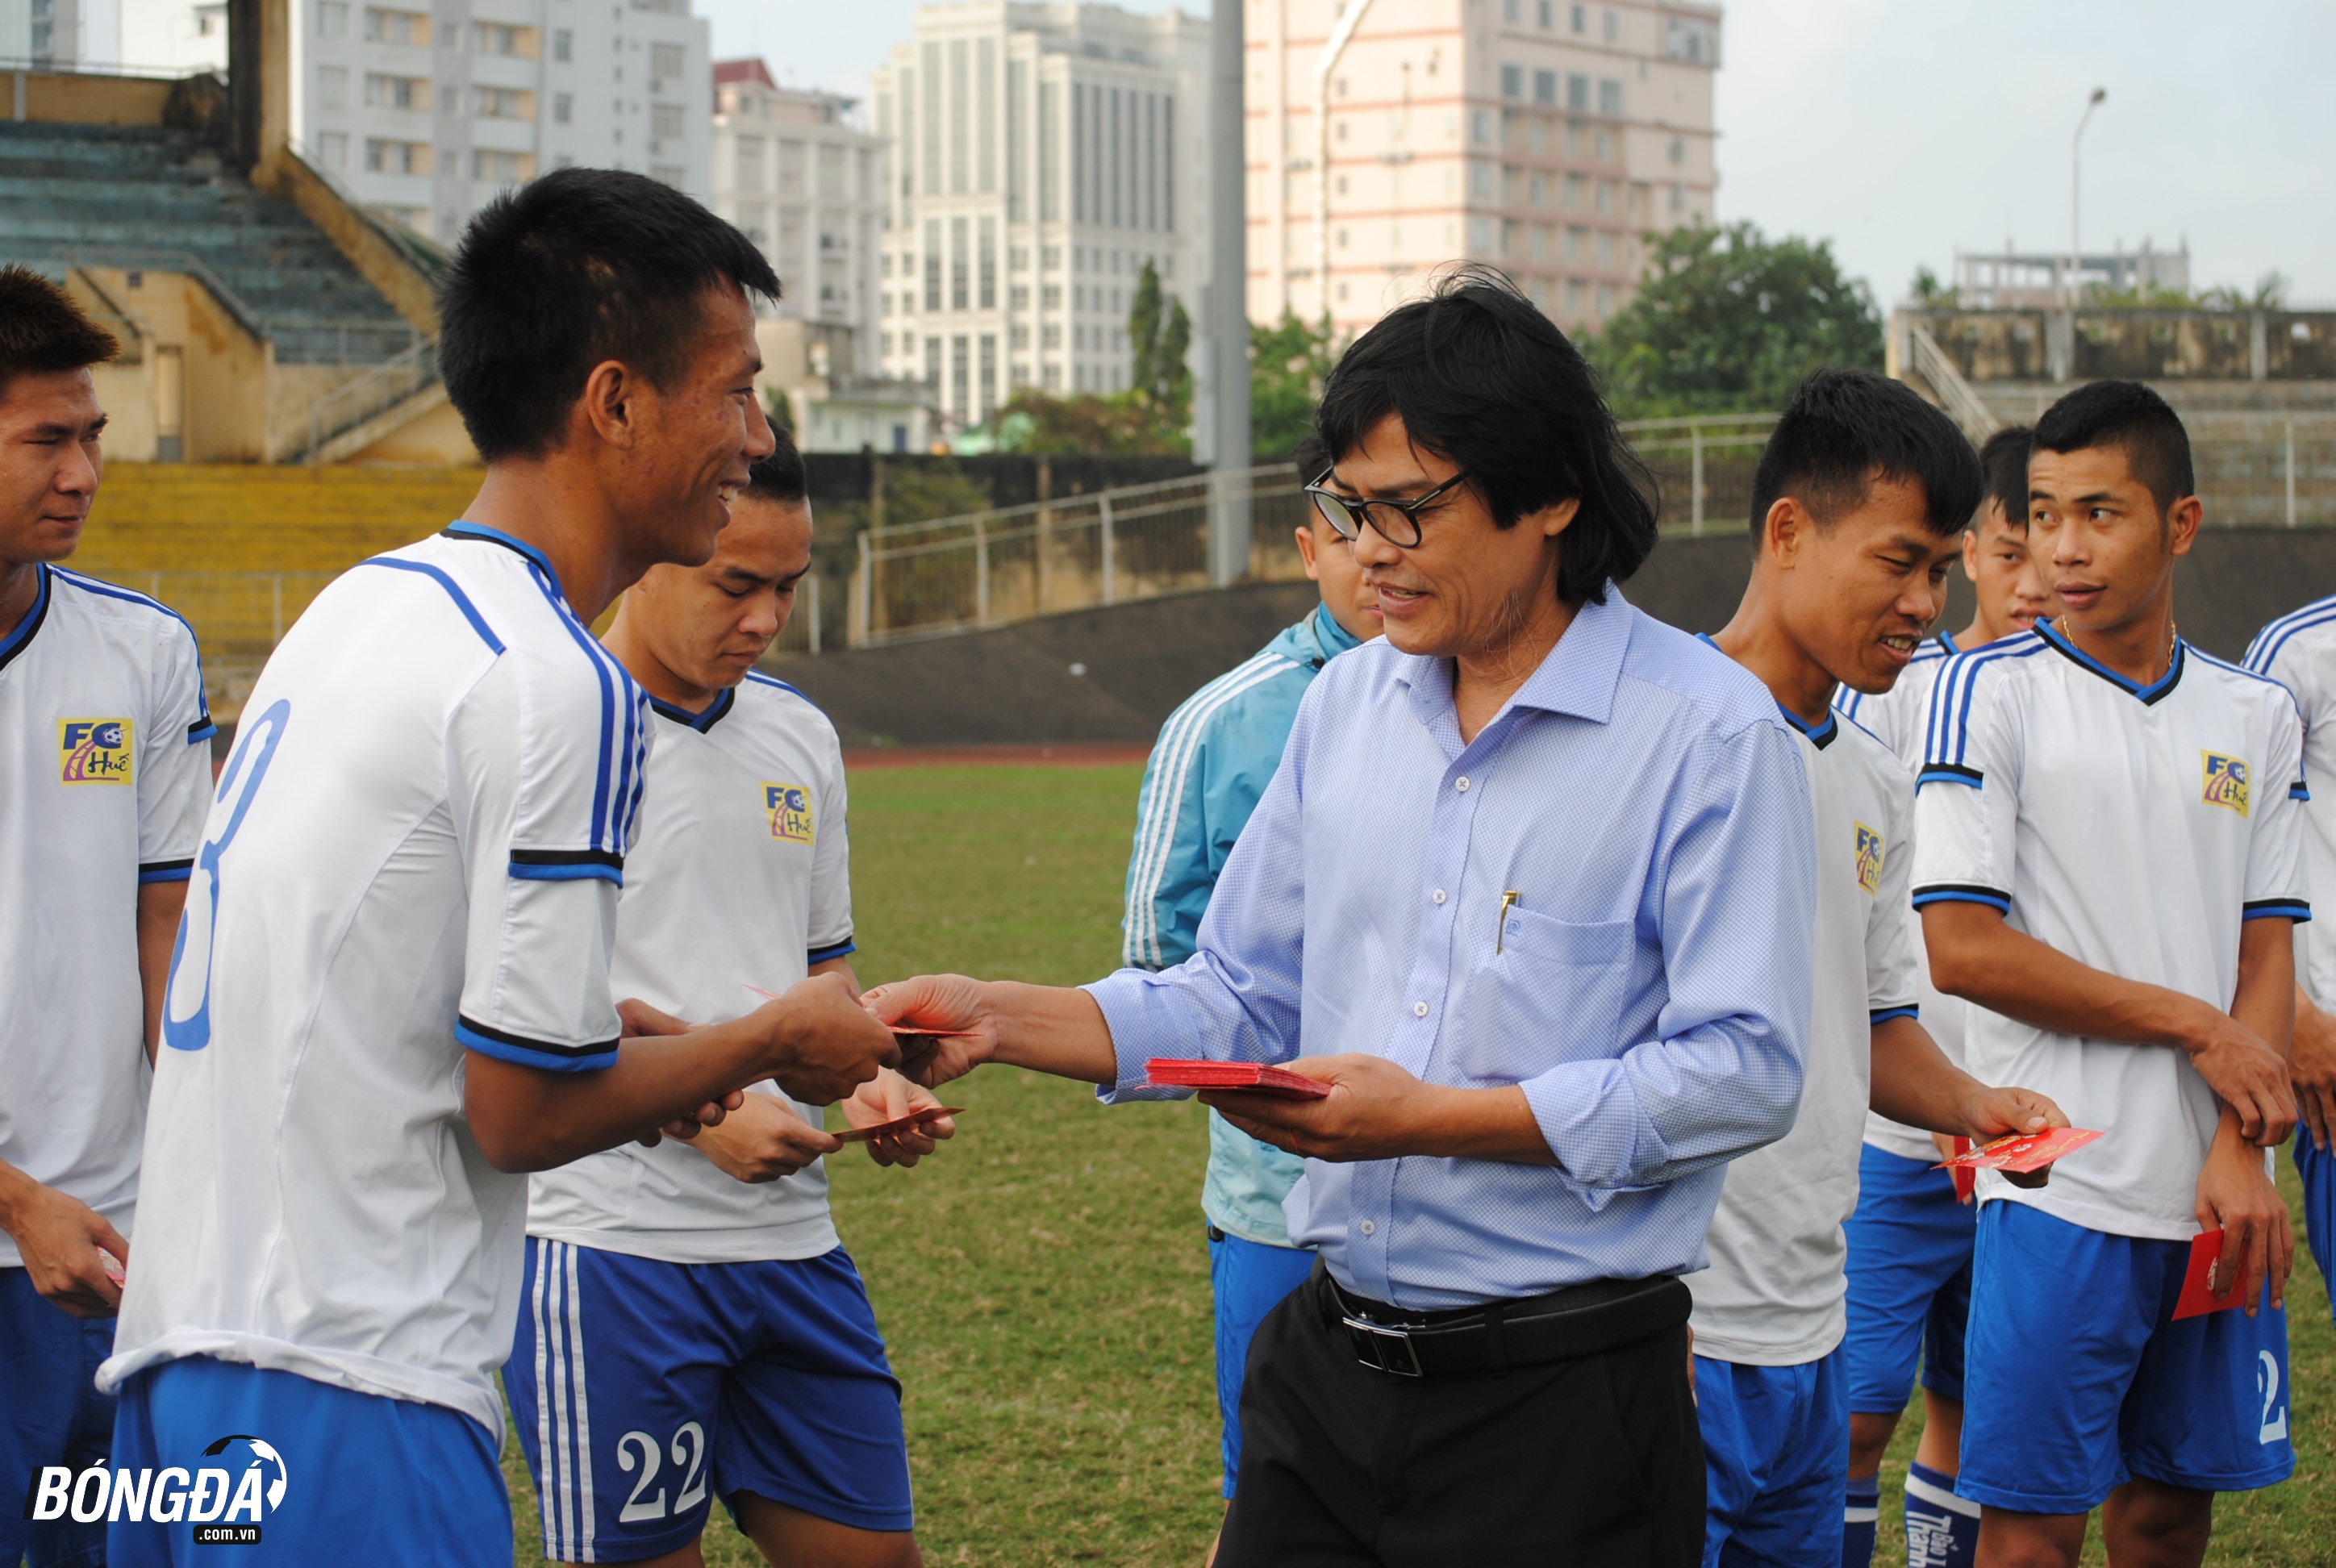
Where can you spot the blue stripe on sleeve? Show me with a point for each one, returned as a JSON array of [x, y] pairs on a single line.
[[2276, 909], [166, 871], [526, 1053], [1962, 893], [821, 955], [1884, 1015]]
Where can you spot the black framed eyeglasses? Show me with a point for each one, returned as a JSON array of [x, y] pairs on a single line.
[[1397, 520]]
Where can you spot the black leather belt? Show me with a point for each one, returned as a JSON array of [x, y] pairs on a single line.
[[1585, 1319]]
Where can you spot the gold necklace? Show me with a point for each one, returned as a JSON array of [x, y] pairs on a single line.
[[2173, 637]]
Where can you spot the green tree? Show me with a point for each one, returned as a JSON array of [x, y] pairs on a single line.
[[1288, 363], [1728, 320], [1160, 378]]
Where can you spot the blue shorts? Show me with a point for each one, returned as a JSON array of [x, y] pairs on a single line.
[[1775, 1447], [2317, 1171], [642, 1391], [1910, 1251], [51, 1413], [1249, 1279], [321, 1474], [2080, 1378]]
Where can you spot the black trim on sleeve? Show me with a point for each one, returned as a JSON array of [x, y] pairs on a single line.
[[465, 1023], [608, 858]]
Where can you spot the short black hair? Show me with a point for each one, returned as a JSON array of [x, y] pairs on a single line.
[[1483, 380], [2004, 456], [2127, 415], [41, 329], [781, 477], [1845, 428], [580, 267]]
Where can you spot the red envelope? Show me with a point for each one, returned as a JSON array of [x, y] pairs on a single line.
[[2022, 1151], [2198, 1296], [914, 1120], [1182, 1072], [1965, 1179]]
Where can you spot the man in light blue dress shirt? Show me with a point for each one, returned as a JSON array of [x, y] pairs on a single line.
[[1532, 892]]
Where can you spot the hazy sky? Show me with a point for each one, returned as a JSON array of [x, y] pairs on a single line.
[[1902, 130]]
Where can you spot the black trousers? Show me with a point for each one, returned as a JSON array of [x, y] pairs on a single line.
[[1596, 1462]]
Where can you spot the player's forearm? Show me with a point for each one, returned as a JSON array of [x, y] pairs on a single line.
[[16, 1190], [158, 904], [1976, 955], [2265, 998], [526, 1119], [1915, 1084], [1053, 1029]]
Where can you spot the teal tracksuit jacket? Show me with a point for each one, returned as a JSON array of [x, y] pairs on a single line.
[[1214, 757]]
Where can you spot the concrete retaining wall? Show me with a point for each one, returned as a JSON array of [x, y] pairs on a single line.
[[1016, 684]]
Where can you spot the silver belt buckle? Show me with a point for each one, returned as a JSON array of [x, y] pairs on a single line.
[[1376, 1345]]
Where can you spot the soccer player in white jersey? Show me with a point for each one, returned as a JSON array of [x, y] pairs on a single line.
[[2299, 652], [106, 774], [1858, 501], [1910, 1241], [2109, 864], [390, 995], [691, 1326]]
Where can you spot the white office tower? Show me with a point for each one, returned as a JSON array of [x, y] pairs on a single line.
[[1041, 155], [423, 111]]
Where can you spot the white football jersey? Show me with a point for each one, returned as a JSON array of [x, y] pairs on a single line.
[[1773, 1295], [2299, 652], [105, 788], [415, 848], [2133, 828], [1896, 718], [741, 877]]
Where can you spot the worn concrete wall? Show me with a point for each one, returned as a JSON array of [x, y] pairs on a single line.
[[1015, 684]]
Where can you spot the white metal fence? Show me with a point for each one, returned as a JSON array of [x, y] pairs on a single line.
[[994, 568]]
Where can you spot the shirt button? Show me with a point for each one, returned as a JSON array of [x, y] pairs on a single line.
[[1419, 1009], [1439, 895], [1369, 1229], [1461, 786]]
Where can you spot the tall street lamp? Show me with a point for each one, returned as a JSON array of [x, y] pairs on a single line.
[[2076, 167]]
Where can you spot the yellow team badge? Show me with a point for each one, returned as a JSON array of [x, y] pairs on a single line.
[[789, 808], [2226, 782], [93, 751], [1869, 859]]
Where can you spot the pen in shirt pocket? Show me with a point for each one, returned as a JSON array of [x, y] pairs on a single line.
[[1509, 900]]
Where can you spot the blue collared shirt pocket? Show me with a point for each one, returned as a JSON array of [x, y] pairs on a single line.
[[1543, 969]]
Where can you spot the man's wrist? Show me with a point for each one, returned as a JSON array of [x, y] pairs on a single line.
[[18, 1191]]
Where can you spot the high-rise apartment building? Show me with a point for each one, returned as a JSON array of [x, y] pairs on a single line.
[[803, 177], [799, 172], [1544, 136], [1041, 155], [425, 109]]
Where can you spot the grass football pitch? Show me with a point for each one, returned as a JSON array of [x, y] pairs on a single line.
[[1042, 1282]]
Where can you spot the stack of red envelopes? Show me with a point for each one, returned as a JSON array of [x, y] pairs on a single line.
[[2022, 1151], [1184, 1073]]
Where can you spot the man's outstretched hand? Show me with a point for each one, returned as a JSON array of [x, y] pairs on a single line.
[[952, 1003]]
